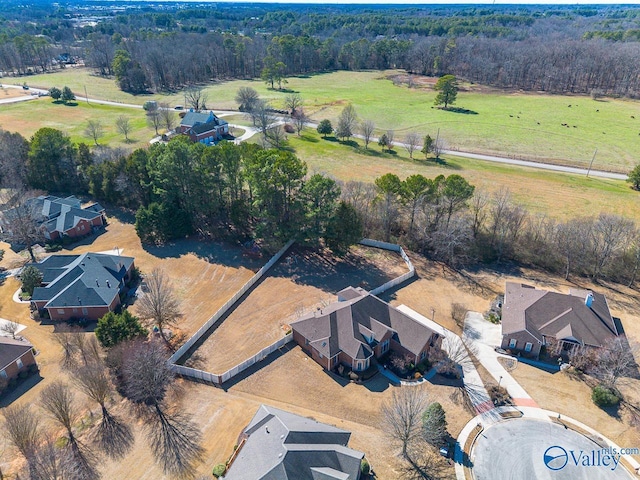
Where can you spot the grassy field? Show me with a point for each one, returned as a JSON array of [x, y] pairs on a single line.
[[27, 117], [576, 194], [511, 124]]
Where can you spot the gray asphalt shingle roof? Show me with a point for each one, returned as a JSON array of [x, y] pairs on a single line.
[[191, 119], [68, 218], [562, 316], [284, 446], [90, 279], [349, 324], [11, 349]]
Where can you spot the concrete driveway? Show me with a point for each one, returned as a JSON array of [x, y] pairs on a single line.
[[535, 449], [482, 337]]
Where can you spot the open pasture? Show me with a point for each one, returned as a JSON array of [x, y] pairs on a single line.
[[552, 128]]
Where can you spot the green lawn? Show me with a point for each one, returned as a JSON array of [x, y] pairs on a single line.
[[28, 117], [517, 125], [556, 194]]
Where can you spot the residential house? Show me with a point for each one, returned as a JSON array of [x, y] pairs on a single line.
[[531, 318], [81, 286], [203, 127], [280, 445], [361, 327], [16, 356], [59, 217]]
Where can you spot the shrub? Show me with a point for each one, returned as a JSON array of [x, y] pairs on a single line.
[[493, 318], [365, 468], [219, 470], [114, 328], [289, 128], [353, 376], [31, 278], [604, 397], [499, 396]]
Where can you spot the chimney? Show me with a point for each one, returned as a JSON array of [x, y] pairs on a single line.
[[589, 299], [267, 429], [97, 284], [108, 284]]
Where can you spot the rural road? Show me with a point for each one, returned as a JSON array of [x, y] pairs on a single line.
[[470, 155]]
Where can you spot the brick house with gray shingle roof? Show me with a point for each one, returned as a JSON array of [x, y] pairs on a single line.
[[278, 445], [532, 317], [203, 127], [358, 328], [81, 286], [15, 356]]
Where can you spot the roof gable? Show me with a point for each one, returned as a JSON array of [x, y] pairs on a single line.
[[11, 350]]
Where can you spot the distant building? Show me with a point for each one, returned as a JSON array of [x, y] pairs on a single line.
[[203, 127], [283, 446], [81, 286], [532, 317], [58, 217], [16, 356], [358, 328]]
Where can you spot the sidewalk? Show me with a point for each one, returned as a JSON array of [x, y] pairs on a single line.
[[482, 337]]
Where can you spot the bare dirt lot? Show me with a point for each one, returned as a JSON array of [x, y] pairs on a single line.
[[302, 280], [204, 274]]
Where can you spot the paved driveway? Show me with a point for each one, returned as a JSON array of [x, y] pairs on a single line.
[[482, 337], [521, 449]]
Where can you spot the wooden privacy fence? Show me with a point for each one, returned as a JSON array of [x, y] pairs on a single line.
[[394, 248], [219, 379], [230, 303]]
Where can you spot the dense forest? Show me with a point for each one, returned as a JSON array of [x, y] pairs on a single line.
[[166, 46]]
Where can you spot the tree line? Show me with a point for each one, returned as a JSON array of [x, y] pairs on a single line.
[[555, 49]]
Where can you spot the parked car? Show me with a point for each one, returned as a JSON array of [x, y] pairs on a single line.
[[25, 87], [178, 107]]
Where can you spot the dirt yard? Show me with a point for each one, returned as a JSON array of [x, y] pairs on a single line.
[[303, 280], [204, 274]]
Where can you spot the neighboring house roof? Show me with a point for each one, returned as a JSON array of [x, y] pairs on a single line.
[[11, 350], [191, 119], [357, 323], [561, 316], [90, 279], [285, 446], [68, 218], [56, 214]]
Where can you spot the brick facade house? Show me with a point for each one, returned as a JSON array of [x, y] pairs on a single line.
[[16, 356], [361, 327], [533, 318], [81, 286], [203, 127]]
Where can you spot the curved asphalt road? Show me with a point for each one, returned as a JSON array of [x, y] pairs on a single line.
[[515, 450], [475, 156]]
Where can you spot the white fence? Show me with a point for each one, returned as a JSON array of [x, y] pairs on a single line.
[[218, 379], [224, 308], [394, 248], [258, 357]]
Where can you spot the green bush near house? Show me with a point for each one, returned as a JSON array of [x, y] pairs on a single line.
[[604, 397], [219, 470], [365, 468]]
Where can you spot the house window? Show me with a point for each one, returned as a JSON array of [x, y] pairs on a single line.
[[75, 310], [321, 356], [19, 363], [384, 347], [85, 311], [306, 341], [512, 343], [422, 355], [60, 311], [528, 346], [3, 374]]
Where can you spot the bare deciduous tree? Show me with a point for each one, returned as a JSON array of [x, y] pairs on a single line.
[[247, 98], [196, 98], [159, 306], [300, 119], [123, 125], [615, 360], [23, 432], [292, 102], [367, 127], [411, 142], [94, 130], [390, 139], [10, 327], [21, 223], [113, 436], [154, 120], [402, 416], [167, 116], [608, 235]]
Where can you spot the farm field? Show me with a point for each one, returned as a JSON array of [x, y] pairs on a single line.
[[299, 283], [576, 194], [522, 125], [27, 117]]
